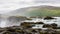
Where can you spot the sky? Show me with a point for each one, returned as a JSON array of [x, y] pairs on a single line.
[[10, 5]]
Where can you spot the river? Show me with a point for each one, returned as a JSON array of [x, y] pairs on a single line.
[[6, 23]]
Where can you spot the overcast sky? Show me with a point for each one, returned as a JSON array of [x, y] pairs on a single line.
[[9, 5]]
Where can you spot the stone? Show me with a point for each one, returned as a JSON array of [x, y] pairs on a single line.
[[47, 26], [48, 17]]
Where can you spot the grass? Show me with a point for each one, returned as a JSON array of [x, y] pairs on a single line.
[[44, 12]]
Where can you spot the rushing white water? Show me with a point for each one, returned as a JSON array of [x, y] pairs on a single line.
[[57, 20], [5, 23], [2, 24]]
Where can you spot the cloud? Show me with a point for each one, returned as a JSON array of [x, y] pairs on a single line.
[[9, 5], [47, 1]]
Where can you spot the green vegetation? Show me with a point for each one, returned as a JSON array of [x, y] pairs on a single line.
[[44, 12]]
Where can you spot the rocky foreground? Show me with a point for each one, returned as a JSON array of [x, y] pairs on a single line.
[[31, 28]]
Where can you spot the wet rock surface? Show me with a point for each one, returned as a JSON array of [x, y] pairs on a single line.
[[30, 31], [48, 18], [27, 27]]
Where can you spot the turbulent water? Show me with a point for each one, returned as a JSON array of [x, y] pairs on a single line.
[[6, 23]]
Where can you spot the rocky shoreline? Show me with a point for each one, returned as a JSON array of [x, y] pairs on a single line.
[[32, 28]]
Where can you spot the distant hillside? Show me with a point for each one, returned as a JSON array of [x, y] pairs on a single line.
[[38, 11]]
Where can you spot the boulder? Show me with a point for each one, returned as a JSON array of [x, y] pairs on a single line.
[[48, 17], [54, 26], [39, 23], [6, 32], [47, 26], [11, 30]]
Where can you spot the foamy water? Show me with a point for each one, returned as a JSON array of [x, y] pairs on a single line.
[[5, 23], [57, 20]]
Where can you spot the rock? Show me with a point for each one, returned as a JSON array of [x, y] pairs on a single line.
[[54, 26], [26, 25], [2, 30], [28, 19], [6, 32], [11, 30], [48, 31], [19, 31], [47, 26], [58, 27], [51, 31], [34, 31], [32, 23], [48, 17], [43, 32], [39, 23]]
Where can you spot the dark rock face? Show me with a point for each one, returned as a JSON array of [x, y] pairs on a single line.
[[34, 31], [47, 26], [48, 31], [26, 25], [58, 27], [7, 33], [53, 25], [48, 17], [32, 23], [11, 30], [18, 30]]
